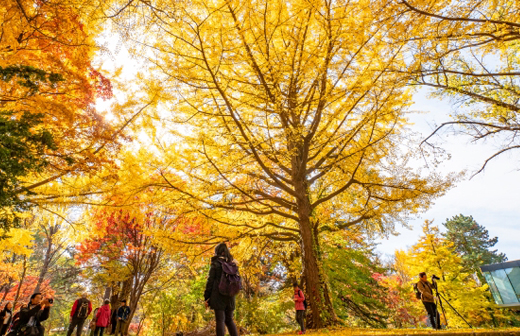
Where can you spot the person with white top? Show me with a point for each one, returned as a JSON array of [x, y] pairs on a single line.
[[5, 318]]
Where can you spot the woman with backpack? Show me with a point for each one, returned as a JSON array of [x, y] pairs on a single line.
[[223, 305]]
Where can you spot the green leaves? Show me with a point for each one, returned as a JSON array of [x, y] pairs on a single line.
[[29, 77], [23, 143], [472, 242]]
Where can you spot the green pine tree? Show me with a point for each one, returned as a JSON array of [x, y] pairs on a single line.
[[472, 243]]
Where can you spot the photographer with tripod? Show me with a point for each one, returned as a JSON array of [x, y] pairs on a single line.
[[425, 288]]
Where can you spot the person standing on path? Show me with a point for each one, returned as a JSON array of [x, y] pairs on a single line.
[[78, 314], [428, 300], [223, 305], [123, 313], [102, 318], [5, 318], [299, 302]]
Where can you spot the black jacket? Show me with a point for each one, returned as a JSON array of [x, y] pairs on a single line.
[[217, 301], [39, 314]]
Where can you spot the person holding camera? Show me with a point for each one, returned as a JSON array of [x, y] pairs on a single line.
[[301, 306], [426, 289], [32, 315], [78, 314]]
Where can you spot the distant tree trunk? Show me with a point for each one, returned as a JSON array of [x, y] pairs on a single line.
[[22, 278], [45, 266], [7, 287], [108, 291], [114, 298], [126, 289], [50, 252], [141, 277]]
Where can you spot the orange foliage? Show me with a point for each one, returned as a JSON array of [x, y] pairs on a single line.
[[52, 36], [28, 289]]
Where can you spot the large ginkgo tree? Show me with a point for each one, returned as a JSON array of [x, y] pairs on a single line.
[[286, 119]]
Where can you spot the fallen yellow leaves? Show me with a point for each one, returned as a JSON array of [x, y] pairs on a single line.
[[405, 332]]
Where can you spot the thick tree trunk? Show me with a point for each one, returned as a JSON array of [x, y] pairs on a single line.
[[114, 298], [316, 287]]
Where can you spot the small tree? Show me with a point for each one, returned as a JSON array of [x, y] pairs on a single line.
[[119, 249]]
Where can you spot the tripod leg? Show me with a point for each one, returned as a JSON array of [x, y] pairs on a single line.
[[443, 312], [453, 308]]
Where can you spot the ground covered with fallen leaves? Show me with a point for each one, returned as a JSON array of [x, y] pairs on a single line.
[[414, 332]]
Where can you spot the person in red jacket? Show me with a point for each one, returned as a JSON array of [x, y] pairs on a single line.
[[102, 319], [79, 313], [299, 300]]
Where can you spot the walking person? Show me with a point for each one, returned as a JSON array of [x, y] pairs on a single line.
[[223, 305], [32, 315], [5, 318], [102, 318], [299, 302], [426, 290], [78, 314], [123, 314]]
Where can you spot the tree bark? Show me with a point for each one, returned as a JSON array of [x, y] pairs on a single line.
[[46, 263], [6, 289], [140, 280], [317, 292], [22, 278]]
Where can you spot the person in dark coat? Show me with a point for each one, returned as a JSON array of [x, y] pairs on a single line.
[[123, 318], [6, 315], [35, 312], [224, 306]]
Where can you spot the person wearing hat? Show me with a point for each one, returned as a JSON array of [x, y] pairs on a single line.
[[123, 313]]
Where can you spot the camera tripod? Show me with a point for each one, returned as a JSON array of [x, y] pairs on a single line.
[[441, 298]]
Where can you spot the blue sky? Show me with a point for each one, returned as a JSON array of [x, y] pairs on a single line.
[[491, 197]]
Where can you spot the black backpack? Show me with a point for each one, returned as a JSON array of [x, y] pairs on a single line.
[[418, 295], [82, 309], [304, 301], [230, 282]]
